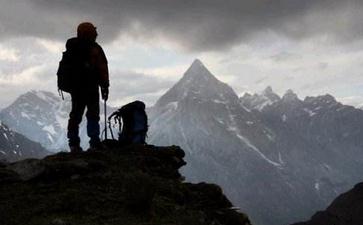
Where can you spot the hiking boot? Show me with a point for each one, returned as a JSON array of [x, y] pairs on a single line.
[[75, 149], [98, 146]]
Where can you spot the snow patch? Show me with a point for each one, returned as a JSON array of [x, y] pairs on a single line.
[[219, 101], [261, 106], [254, 148], [233, 127], [270, 137], [317, 186], [219, 120], [62, 121], [326, 166], [311, 113], [340, 108], [280, 159], [23, 114], [41, 95], [245, 108], [50, 137], [284, 118], [50, 129], [173, 105]]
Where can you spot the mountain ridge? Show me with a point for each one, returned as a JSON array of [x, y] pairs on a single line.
[[194, 84], [288, 146], [43, 117]]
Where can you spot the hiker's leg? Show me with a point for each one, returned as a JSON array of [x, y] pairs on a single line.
[[75, 118], [93, 118]]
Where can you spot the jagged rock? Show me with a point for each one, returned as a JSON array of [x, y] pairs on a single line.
[[27, 169], [8, 176], [259, 101], [137, 184], [3, 163], [58, 222], [347, 209]]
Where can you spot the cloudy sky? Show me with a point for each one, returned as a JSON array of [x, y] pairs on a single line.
[[311, 46]]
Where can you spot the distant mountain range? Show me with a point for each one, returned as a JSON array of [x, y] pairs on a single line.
[[43, 117], [278, 158]]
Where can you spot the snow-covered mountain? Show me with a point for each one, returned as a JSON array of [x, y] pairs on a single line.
[[14, 146], [278, 158], [42, 117], [259, 101]]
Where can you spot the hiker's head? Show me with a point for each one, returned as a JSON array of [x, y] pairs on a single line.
[[87, 31]]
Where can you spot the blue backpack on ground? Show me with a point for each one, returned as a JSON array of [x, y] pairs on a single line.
[[132, 119]]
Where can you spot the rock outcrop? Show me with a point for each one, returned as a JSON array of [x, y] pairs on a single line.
[[131, 185], [347, 209]]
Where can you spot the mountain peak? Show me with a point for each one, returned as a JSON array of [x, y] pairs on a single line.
[[268, 90], [270, 94], [197, 62], [198, 70], [290, 95], [198, 83], [326, 99], [260, 101], [36, 95]]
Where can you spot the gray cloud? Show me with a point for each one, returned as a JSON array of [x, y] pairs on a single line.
[[201, 25], [284, 56], [131, 83]]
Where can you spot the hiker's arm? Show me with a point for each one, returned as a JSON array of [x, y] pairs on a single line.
[[102, 66]]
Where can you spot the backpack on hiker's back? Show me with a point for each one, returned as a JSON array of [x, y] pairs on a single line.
[[75, 65]]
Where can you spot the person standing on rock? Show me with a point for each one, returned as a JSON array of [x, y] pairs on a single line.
[[91, 75]]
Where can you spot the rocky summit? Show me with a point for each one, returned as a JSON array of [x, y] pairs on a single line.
[[138, 184]]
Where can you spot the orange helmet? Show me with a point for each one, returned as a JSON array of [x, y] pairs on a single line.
[[86, 30]]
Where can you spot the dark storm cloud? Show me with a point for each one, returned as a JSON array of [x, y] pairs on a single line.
[[197, 25]]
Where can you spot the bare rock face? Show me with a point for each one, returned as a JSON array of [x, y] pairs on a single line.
[[27, 169], [138, 184], [279, 159], [347, 209]]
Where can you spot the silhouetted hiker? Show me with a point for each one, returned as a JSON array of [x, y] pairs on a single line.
[[91, 73]]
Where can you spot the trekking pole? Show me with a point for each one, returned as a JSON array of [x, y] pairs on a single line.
[[105, 119]]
